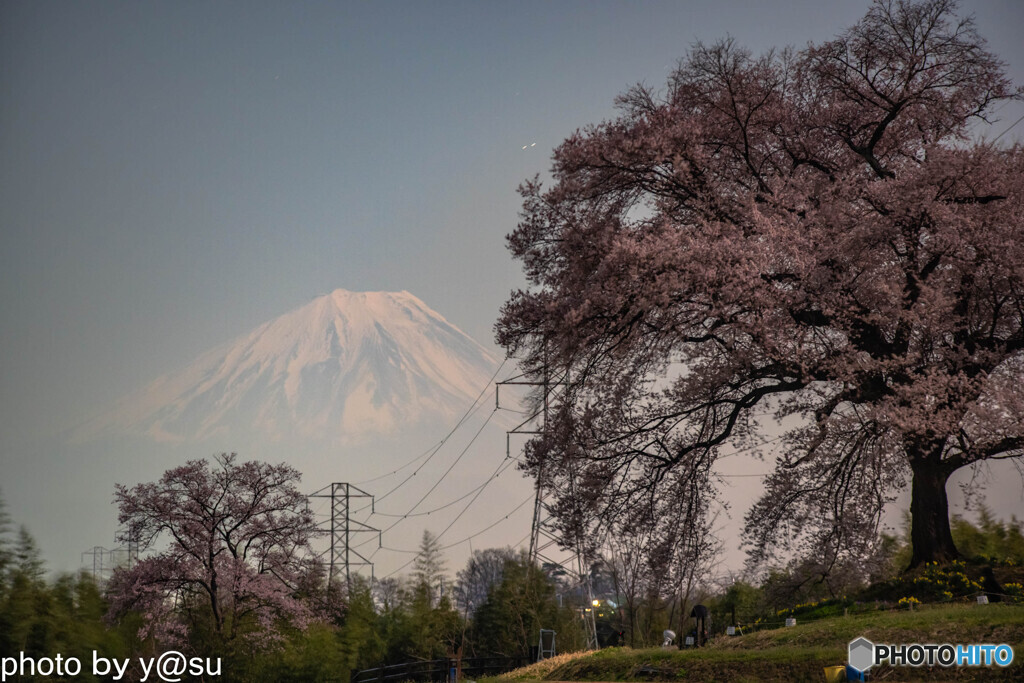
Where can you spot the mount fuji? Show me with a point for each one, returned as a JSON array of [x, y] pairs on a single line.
[[344, 368], [375, 389]]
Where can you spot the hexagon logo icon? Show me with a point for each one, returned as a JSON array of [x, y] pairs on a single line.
[[862, 654]]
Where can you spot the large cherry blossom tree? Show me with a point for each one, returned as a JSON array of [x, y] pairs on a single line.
[[230, 553], [812, 236]]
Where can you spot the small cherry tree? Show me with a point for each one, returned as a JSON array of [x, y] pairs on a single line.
[[235, 563]]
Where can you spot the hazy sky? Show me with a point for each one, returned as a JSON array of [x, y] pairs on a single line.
[[174, 173]]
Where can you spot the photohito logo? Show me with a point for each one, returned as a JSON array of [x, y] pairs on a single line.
[[863, 654]]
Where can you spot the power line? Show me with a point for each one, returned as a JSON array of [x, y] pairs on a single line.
[[450, 467], [408, 464], [452, 545], [752, 449], [469, 412], [1008, 129], [457, 517], [472, 411], [468, 505], [505, 463], [476, 492], [443, 476], [491, 526], [500, 469], [521, 541], [467, 494], [471, 536], [432, 451]]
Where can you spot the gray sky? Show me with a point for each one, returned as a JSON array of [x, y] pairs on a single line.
[[174, 173]]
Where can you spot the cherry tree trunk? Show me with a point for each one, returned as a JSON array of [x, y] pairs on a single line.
[[930, 536]]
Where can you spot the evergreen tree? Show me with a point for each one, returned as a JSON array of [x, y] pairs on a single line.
[[361, 642], [508, 623], [27, 603], [6, 623], [991, 539], [5, 544], [429, 568], [27, 558]]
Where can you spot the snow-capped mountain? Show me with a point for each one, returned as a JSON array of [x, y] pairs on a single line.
[[344, 367]]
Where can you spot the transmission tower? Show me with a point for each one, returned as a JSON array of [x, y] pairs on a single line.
[[103, 561], [543, 533], [133, 549], [344, 529], [99, 554]]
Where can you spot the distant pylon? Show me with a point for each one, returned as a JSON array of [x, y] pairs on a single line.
[[98, 554], [133, 549], [343, 529]]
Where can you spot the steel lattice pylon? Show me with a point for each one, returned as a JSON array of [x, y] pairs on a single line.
[[543, 534], [105, 560], [343, 555]]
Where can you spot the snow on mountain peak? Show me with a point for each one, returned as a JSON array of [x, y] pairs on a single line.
[[343, 367]]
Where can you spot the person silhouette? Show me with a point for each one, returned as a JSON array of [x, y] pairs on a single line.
[[700, 617]]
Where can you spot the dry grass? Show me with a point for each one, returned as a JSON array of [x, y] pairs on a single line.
[[540, 670]]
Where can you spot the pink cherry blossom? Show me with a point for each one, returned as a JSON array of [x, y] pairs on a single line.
[[811, 236]]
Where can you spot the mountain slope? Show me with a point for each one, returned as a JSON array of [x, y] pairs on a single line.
[[344, 367]]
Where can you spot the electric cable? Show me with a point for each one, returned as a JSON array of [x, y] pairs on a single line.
[[438, 482], [467, 538], [1008, 129], [457, 517], [467, 494], [452, 545], [417, 470], [469, 412], [408, 464]]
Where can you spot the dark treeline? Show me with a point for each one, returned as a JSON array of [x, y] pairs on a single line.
[[494, 606]]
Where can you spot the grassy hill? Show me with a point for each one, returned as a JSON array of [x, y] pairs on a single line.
[[802, 652]]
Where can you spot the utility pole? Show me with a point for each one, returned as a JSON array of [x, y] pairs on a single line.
[[343, 529], [543, 534]]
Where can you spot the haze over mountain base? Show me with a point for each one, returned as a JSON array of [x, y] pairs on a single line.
[[363, 388]]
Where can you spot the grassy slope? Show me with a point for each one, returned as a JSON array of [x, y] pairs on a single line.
[[801, 653]]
